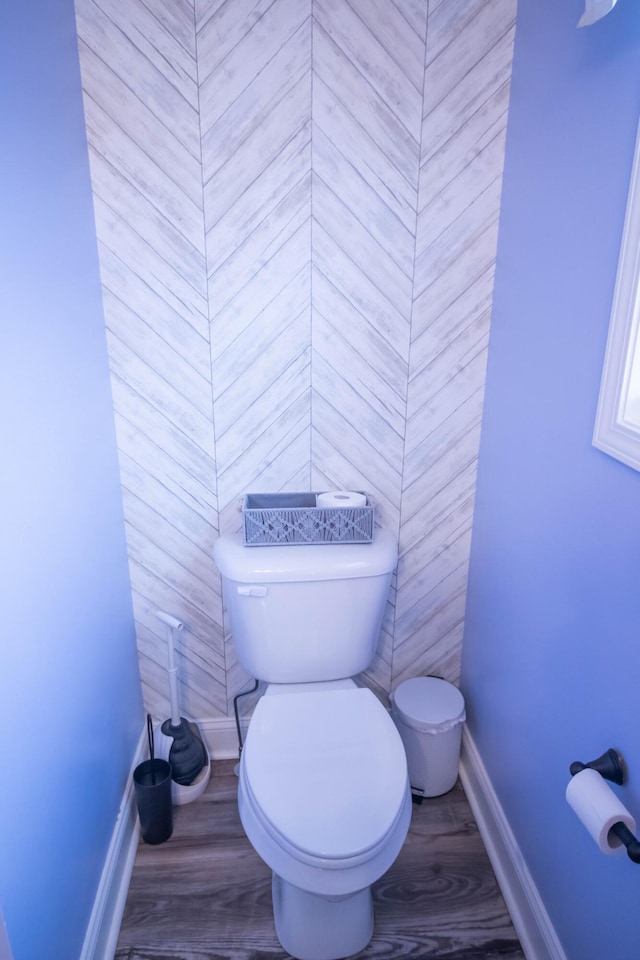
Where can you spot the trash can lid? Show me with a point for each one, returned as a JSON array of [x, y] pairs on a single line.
[[428, 703]]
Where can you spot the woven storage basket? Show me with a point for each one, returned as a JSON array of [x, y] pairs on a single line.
[[293, 518]]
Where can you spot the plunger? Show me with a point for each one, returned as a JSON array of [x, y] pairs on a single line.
[[187, 754]]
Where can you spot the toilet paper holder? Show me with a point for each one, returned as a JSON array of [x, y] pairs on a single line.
[[611, 766]]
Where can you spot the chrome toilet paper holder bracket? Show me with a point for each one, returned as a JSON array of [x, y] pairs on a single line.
[[610, 765]]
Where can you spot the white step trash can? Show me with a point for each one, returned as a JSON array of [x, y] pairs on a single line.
[[429, 714]]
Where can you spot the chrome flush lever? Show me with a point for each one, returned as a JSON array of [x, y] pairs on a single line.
[[255, 590]]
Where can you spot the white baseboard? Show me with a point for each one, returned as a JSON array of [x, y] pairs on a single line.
[[100, 941], [5, 947], [104, 924], [530, 918], [221, 737]]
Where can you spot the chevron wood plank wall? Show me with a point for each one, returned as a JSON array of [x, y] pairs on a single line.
[[255, 85], [368, 71], [296, 209], [142, 112], [466, 87]]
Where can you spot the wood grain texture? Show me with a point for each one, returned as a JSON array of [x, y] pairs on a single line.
[[206, 895], [297, 207]]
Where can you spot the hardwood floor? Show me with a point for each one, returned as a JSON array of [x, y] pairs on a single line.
[[206, 895]]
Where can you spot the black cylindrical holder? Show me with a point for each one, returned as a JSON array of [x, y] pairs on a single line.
[[152, 784], [625, 837]]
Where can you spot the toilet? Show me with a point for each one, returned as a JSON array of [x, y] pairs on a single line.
[[323, 790]]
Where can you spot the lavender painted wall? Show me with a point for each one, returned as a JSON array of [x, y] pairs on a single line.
[[69, 686], [551, 653]]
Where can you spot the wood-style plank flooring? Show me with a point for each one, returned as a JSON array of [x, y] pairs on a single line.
[[206, 895]]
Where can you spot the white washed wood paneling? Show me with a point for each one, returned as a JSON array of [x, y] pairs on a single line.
[[141, 104], [254, 62], [468, 65], [297, 205], [367, 115]]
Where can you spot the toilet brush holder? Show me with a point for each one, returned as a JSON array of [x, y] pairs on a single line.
[[152, 787]]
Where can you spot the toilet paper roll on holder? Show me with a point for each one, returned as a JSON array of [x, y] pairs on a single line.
[[610, 765]]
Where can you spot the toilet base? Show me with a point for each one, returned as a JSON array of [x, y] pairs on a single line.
[[313, 927]]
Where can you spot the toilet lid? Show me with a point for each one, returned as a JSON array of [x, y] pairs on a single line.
[[327, 770]]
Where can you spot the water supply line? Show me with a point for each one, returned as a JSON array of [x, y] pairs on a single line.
[[243, 693]]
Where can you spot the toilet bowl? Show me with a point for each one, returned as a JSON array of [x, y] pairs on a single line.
[[324, 799], [323, 789]]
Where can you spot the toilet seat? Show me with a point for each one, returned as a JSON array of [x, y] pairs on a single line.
[[325, 772]]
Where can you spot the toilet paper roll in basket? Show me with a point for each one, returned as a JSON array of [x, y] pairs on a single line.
[[341, 498], [597, 806]]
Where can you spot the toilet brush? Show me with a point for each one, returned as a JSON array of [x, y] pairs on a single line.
[[187, 753]]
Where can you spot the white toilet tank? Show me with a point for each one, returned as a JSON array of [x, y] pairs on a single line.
[[301, 614]]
